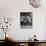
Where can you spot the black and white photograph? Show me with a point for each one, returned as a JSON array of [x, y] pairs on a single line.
[[26, 19]]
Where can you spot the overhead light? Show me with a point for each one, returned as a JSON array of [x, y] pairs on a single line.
[[35, 3]]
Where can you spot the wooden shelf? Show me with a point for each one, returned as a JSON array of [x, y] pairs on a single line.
[[24, 42]]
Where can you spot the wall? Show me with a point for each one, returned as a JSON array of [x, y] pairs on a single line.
[[12, 8]]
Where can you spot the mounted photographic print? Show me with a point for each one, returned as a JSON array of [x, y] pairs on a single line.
[[26, 19]]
